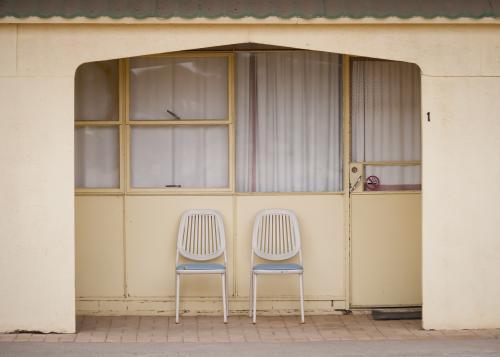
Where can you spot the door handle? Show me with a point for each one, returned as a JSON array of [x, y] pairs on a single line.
[[353, 187]]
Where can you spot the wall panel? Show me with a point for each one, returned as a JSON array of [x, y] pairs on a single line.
[[152, 223], [322, 232], [99, 246], [386, 249]]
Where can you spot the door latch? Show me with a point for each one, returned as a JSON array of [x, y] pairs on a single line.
[[353, 187]]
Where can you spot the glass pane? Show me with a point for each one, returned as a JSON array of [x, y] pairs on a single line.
[[385, 111], [97, 158], [181, 156], [168, 88], [96, 91], [289, 127], [394, 178]]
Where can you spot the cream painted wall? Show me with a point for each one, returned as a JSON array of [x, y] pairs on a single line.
[[8, 43], [36, 204], [321, 220], [386, 251], [460, 66], [448, 50], [461, 202], [151, 237], [136, 263], [100, 258]]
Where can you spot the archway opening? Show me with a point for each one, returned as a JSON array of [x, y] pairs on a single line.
[[240, 128]]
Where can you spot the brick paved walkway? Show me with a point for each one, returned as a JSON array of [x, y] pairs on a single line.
[[240, 329]]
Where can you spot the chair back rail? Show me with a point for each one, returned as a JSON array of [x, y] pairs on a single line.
[[276, 235], [201, 235]]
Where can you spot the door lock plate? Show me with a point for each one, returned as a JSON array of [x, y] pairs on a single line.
[[356, 177]]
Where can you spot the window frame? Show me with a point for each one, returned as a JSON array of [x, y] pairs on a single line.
[[228, 122], [125, 125], [385, 163], [109, 123]]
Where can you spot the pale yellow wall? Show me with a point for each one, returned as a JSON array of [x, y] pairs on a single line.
[[386, 250], [448, 50], [100, 260], [144, 244], [151, 236], [8, 35], [321, 220], [37, 275], [460, 204]]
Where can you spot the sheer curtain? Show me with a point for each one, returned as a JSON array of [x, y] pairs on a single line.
[[185, 156], [97, 149], [96, 91], [386, 117], [97, 157], [289, 134], [182, 156], [192, 88]]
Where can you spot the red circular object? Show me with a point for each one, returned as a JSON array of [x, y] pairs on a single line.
[[372, 182]]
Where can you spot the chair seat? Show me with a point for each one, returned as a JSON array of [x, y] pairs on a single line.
[[200, 266], [278, 267]]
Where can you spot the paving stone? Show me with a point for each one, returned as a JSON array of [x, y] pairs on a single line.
[[116, 329]]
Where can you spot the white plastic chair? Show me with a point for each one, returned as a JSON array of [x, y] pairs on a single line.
[[201, 238], [276, 237]]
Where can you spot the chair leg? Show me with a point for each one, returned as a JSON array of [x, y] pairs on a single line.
[[177, 292], [301, 282], [224, 301], [227, 295], [254, 297], [250, 295]]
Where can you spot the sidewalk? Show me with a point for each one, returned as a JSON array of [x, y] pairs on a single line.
[[240, 329], [393, 348]]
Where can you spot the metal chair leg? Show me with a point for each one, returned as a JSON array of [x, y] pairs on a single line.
[[224, 305], [177, 293], [254, 297], [301, 282], [250, 295], [227, 295]]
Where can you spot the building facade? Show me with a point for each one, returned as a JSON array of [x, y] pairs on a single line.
[[110, 248]]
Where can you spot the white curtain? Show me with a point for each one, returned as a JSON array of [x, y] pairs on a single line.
[[192, 88], [289, 134], [386, 117], [97, 163], [96, 91], [186, 156]]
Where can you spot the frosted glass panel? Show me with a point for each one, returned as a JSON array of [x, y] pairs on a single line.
[[395, 178], [97, 163], [187, 157], [385, 111], [96, 91], [169, 88]]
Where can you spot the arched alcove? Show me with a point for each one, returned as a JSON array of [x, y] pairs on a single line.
[[239, 128]]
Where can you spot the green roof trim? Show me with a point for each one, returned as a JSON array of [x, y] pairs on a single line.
[[258, 9]]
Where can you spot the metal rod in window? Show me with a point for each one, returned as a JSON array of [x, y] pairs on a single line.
[[173, 114]]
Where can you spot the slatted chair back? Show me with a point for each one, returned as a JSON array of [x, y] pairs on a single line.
[[276, 235], [201, 235]]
